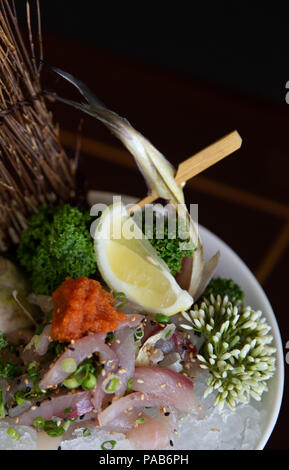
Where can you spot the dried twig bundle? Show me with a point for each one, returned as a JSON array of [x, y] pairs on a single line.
[[34, 168]]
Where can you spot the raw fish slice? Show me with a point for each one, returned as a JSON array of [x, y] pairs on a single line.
[[174, 388], [124, 348], [79, 351], [79, 402], [121, 415], [152, 434]]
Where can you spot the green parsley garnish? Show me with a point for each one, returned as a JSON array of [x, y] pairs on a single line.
[[57, 244], [222, 287], [171, 244]]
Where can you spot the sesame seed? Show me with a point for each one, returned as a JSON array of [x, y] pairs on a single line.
[[122, 371], [171, 443], [33, 407], [133, 318], [179, 384], [117, 341], [163, 385], [140, 381], [142, 397], [16, 419], [175, 432]]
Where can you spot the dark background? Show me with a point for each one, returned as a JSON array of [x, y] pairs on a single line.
[[185, 77], [240, 45]]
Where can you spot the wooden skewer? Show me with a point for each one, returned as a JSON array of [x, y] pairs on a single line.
[[200, 162]]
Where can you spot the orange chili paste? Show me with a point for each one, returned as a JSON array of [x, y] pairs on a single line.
[[81, 306]]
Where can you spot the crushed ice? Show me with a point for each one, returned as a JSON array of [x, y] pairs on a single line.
[[229, 430]]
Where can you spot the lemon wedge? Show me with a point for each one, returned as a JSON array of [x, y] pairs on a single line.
[[128, 263]]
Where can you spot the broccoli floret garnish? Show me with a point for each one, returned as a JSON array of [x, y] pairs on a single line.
[[57, 244], [171, 246], [224, 287]]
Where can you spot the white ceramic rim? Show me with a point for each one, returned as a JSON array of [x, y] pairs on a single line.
[[277, 382]]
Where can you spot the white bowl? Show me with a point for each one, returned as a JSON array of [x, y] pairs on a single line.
[[231, 266]]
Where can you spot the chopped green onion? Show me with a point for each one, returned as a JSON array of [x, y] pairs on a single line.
[[38, 423], [2, 409], [40, 329], [86, 432], [129, 384], [108, 445], [160, 318], [138, 333], [110, 337], [71, 383], [67, 410], [120, 295], [168, 331], [13, 434], [140, 420], [89, 383], [52, 429], [20, 399], [49, 317], [111, 384], [66, 425], [69, 365]]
